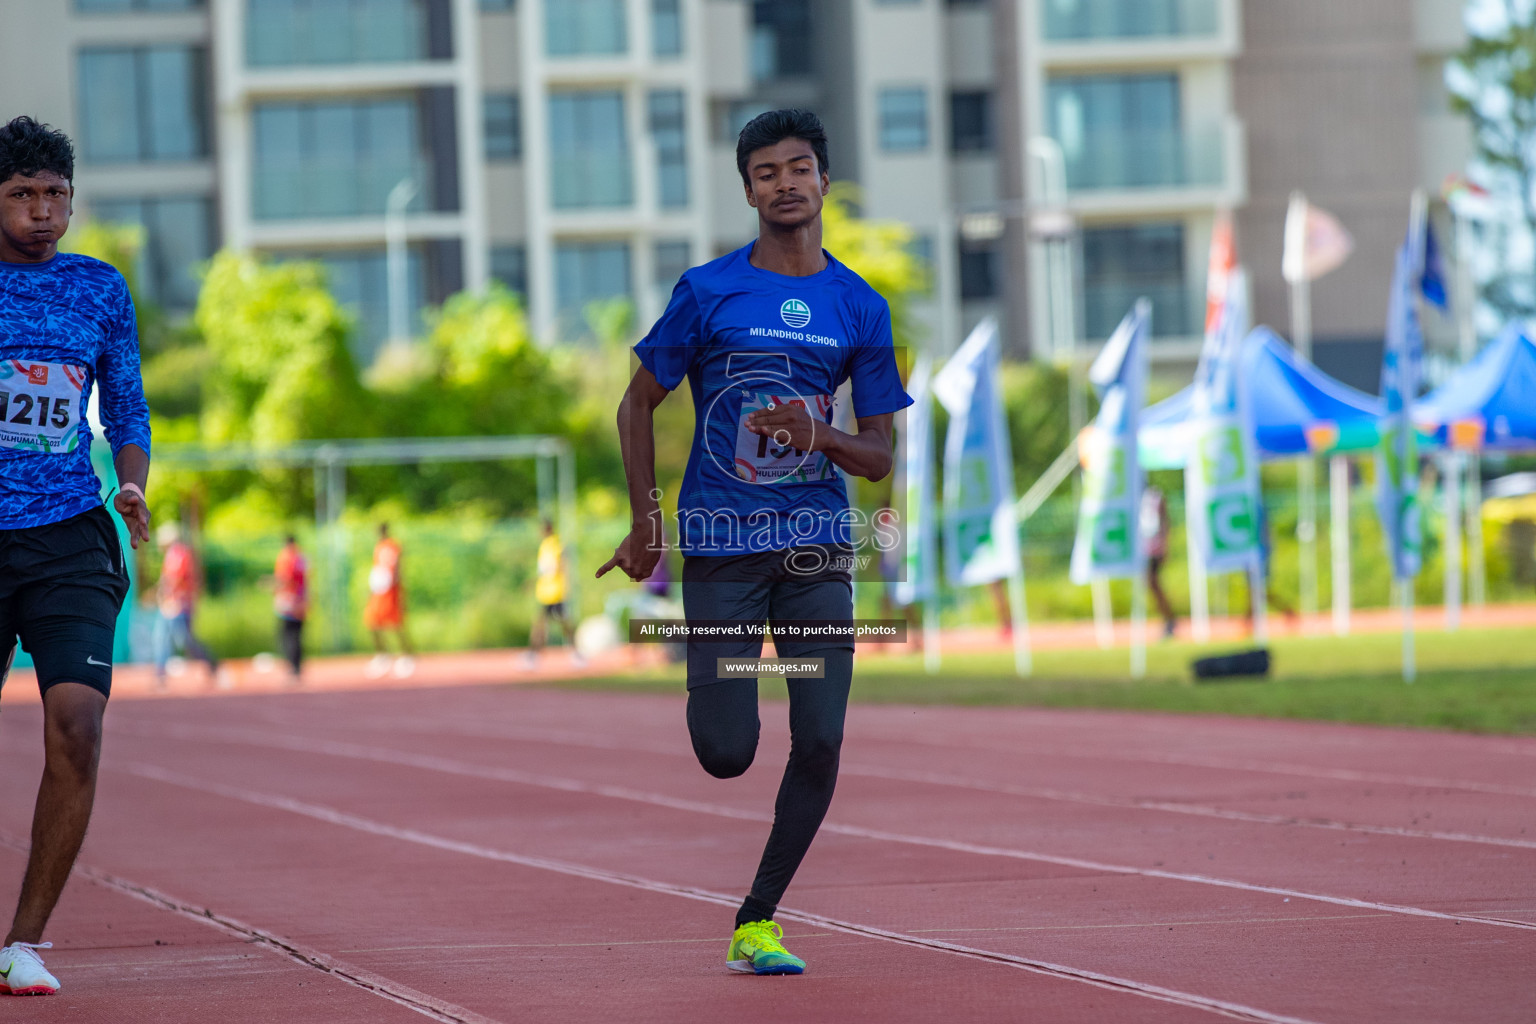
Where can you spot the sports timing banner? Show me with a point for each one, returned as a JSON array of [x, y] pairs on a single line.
[[917, 583], [981, 533], [1108, 541], [1221, 477], [1397, 460]]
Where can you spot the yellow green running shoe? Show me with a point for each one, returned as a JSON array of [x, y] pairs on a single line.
[[756, 949]]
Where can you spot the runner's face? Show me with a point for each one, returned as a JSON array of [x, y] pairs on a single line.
[[785, 185], [34, 214]]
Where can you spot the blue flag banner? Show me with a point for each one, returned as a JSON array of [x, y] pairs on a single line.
[[1108, 541], [1221, 477], [1397, 460], [981, 533]]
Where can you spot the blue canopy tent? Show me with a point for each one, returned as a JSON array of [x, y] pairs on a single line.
[[1297, 409], [1490, 403]]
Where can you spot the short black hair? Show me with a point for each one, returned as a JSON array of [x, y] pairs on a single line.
[[774, 127], [27, 148]]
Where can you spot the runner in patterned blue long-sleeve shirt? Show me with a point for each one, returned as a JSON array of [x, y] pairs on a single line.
[[66, 326]]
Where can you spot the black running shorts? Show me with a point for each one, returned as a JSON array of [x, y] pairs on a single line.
[[812, 583], [61, 588]]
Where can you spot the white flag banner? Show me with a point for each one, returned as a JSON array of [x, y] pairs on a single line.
[[1315, 242], [1221, 477], [919, 579], [981, 533], [1107, 543]]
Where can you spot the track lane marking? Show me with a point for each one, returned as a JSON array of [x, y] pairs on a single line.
[[929, 778], [450, 767], [376, 984], [1219, 764], [344, 819]]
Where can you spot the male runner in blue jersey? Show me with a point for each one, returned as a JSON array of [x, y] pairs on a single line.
[[765, 336], [66, 325]]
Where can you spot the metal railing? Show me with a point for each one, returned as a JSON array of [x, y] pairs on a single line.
[[329, 459]]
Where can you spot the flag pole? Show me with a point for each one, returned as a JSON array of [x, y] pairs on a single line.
[[1103, 614], [1338, 530], [1450, 483], [1418, 212], [1466, 329]]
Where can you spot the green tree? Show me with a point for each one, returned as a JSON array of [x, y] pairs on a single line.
[[880, 252], [282, 369], [1493, 83]]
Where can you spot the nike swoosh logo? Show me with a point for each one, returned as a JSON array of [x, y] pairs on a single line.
[[92, 661]]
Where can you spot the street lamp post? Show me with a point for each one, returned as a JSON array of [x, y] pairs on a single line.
[[395, 256]]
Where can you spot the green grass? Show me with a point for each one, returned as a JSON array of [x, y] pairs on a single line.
[[1473, 681]]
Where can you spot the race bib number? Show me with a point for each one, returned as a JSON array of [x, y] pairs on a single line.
[[760, 461], [40, 406]]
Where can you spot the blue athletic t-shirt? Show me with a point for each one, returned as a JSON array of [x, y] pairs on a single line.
[[748, 338], [66, 325]]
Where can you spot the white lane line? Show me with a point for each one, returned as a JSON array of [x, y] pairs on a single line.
[[341, 818], [1235, 765], [384, 988], [556, 738], [1178, 760], [1173, 807], [447, 766]]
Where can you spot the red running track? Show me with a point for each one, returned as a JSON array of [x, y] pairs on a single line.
[[513, 855]]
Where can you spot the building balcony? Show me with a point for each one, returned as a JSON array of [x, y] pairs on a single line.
[[1125, 31], [1160, 170]]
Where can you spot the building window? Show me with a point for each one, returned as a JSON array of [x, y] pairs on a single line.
[[671, 142], [113, 6], [666, 28], [781, 38], [509, 265], [574, 28], [289, 32], [178, 235], [970, 122], [978, 272], [503, 127], [588, 272], [143, 104], [335, 159], [672, 258], [1127, 19], [737, 114], [1121, 264], [589, 150], [903, 120], [1118, 131], [498, 5]]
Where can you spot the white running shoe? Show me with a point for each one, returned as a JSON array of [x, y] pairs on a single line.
[[405, 666], [377, 668], [22, 972]]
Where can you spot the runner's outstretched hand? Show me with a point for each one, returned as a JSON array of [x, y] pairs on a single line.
[[636, 555], [135, 515]]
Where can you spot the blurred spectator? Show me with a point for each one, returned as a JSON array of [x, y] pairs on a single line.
[[177, 593], [549, 590], [386, 608], [291, 602], [1154, 537]]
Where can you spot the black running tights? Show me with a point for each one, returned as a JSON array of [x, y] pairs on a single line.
[[723, 722]]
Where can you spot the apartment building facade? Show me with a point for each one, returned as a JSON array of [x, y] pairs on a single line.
[[583, 149]]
